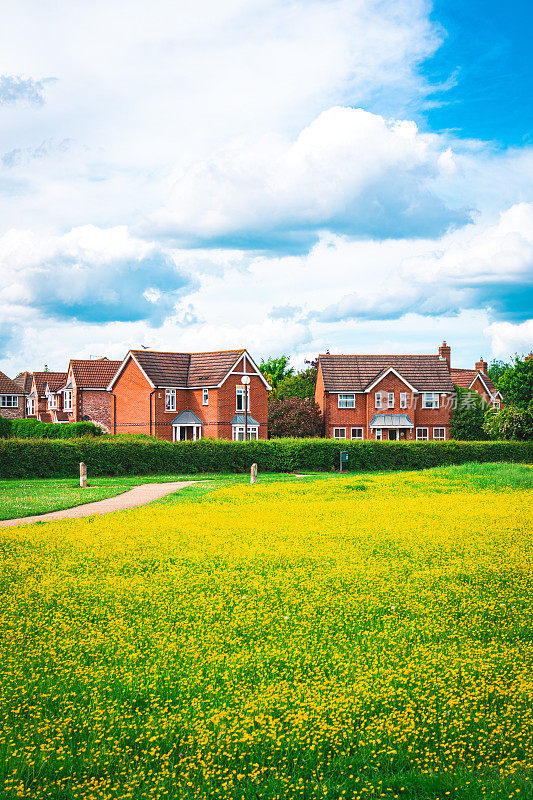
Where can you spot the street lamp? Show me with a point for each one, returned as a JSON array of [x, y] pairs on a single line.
[[245, 380]]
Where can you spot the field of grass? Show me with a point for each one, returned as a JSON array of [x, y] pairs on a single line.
[[24, 498], [352, 637]]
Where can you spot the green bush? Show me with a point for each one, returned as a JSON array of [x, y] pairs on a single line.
[[31, 428], [42, 458]]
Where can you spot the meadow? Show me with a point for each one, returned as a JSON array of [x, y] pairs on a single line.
[[350, 637]]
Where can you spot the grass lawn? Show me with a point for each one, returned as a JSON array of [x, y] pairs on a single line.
[[24, 498], [345, 637]]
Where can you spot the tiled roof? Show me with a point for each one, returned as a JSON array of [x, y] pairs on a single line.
[[186, 369], [24, 380], [356, 373], [95, 373], [465, 377], [7, 386], [55, 381]]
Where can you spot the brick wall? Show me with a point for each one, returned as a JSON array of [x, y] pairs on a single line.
[[15, 413], [97, 405], [132, 393]]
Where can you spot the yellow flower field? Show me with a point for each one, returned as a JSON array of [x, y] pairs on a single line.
[[353, 637]]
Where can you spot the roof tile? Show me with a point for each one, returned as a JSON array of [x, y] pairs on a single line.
[[95, 373], [356, 372], [185, 370], [7, 386]]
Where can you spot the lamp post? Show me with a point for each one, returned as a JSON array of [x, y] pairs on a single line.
[[245, 380]]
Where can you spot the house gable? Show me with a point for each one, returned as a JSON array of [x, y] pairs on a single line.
[[390, 371]]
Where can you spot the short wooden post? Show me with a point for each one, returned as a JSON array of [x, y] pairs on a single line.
[[253, 473], [83, 475]]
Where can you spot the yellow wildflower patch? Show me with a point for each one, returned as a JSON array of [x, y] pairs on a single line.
[[352, 637]]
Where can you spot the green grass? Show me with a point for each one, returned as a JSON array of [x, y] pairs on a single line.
[[355, 637], [25, 498]]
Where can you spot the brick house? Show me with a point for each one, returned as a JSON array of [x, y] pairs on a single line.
[[385, 396], [478, 381], [12, 405], [45, 399], [187, 396], [84, 393]]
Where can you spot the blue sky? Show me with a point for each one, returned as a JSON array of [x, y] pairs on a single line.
[[289, 176]]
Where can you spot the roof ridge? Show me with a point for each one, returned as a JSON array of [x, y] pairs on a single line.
[[379, 355], [191, 352]]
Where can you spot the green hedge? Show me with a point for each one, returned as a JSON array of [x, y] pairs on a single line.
[[42, 458], [31, 428]]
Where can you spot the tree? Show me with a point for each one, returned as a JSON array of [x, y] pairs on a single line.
[[511, 422], [275, 369], [468, 416], [516, 382], [294, 416], [496, 370], [301, 385]]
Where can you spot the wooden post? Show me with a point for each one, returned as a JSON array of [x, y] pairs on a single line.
[[253, 473], [83, 475]]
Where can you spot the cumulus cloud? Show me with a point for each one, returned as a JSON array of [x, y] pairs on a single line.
[[91, 275], [15, 89], [348, 171], [508, 338]]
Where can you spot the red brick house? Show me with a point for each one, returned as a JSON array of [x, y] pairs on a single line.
[[85, 395], [478, 381], [385, 396], [188, 396], [45, 399], [12, 404]]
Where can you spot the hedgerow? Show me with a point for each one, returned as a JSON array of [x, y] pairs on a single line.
[[42, 458], [30, 428]]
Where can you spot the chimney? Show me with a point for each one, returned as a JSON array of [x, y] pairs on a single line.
[[481, 366], [445, 352]]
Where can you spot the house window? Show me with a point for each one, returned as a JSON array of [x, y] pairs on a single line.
[[9, 401], [390, 399], [403, 399], [378, 433], [439, 434], [30, 406], [241, 392], [205, 397], [67, 400], [346, 401], [357, 433], [430, 400], [52, 401], [238, 432], [339, 433], [170, 399], [495, 403], [422, 434], [377, 400]]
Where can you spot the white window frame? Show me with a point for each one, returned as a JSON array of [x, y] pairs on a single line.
[[377, 400], [357, 435], [495, 403], [347, 401], [420, 437], [170, 399], [403, 399], [238, 433], [9, 401], [337, 433], [378, 434], [439, 438], [430, 399], [205, 397], [67, 400], [52, 401], [30, 406], [390, 399], [240, 393]]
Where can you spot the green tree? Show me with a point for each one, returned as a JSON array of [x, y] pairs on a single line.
[[468, 416], [301, 385], [496, 370], [275, 369], [516, 382], [511, 422]]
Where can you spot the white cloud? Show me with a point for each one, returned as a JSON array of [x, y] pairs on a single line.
[[508, 339]]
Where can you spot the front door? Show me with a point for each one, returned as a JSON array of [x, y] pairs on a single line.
[[393, 435]]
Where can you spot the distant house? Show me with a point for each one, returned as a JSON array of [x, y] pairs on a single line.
[[11, 399], [478, 381], [188, 396], [385, 397], [85, 395], [45, 399]]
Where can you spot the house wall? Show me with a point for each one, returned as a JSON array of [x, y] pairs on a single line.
[[227, 404], [14, 413], [364, 410], [132, 392], [95, 404]]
